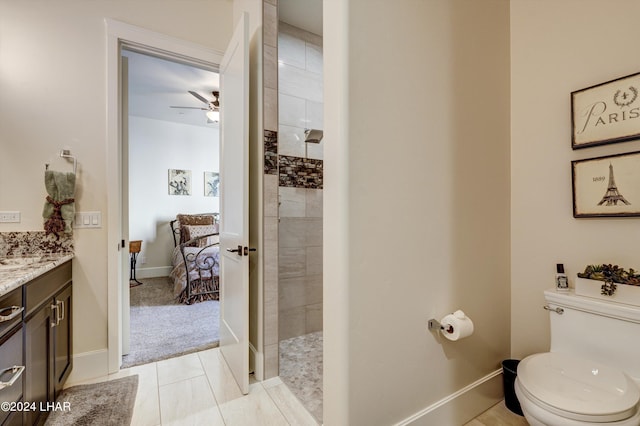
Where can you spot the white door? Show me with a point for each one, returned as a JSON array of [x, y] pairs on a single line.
[[234, 203], [124, 108]]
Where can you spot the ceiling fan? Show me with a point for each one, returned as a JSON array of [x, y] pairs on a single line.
[[213, 107]]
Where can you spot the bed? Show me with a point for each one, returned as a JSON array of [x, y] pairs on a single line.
[[196, 257]]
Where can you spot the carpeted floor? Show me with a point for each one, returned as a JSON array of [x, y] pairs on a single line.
[[162, 328], [100, 404], [301, 370]]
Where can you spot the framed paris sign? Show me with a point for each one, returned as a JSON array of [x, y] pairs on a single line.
[[606, 113], [607, 186]]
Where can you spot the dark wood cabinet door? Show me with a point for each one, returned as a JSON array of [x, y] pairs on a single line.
[[38, 364], [14, 419], [11, 356], [62, 359], [10, 305]]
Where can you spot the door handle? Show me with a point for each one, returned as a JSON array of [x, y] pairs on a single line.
[[60, 303], [56, 317], [247, 250], [236, 250]]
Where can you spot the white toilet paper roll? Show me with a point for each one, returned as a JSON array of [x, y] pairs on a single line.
[[456, 326]]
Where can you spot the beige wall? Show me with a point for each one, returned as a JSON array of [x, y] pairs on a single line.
[[556, 48], [53, 86], [251, 7], [152, 152], [416, 201]]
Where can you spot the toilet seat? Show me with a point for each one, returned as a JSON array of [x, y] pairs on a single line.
[[577, 388]]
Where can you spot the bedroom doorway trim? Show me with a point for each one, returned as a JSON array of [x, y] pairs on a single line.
[[138, 39]]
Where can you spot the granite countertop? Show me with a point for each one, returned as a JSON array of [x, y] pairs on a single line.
[[16, 271]]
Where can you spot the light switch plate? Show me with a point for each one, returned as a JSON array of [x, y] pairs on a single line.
[[88, 220], [9, 217]]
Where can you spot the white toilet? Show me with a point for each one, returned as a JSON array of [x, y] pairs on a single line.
[[592, 374]]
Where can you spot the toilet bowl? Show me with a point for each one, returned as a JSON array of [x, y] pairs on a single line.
[[556, 389], [591, 376]]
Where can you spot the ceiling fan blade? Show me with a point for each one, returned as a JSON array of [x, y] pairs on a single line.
[[183, 107], [202, 99], [215, 102]]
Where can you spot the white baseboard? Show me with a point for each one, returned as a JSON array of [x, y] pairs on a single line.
[[89, 365], [159, 271], [461, 406]]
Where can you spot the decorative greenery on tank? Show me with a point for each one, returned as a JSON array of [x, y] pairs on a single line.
[[611, 275]]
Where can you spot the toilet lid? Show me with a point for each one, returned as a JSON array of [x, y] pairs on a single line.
[[578, 387]]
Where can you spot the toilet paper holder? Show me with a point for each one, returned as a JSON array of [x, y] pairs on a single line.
[[435, 325]]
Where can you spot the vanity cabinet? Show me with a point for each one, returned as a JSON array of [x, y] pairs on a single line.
[[47, 331]]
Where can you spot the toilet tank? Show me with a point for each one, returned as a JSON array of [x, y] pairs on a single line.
[[603, 331]]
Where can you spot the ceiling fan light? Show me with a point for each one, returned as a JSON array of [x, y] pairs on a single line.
[[213, 115]]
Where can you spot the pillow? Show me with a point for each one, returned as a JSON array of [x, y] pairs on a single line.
[[195, 231], [192, 219]]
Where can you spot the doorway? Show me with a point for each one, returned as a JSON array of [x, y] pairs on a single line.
[[300, 195], [119, 36], [168, 137], [234, 179]]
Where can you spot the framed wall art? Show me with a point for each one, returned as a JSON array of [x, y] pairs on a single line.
[[607, 186], [606, 113], [211, 184], [179, 182]]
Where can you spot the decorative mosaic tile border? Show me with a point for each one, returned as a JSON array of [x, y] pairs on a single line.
[[27, 243], [270, 152], [299, 172]]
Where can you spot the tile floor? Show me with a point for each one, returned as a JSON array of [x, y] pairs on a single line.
[[498, 415], [198, 389]]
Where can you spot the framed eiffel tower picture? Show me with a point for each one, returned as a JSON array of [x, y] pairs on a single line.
[[606, 186]]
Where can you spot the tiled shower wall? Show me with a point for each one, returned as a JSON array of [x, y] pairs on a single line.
[[300, 262], [294, 305], [300, 182], [300, 90], [270, 185]]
